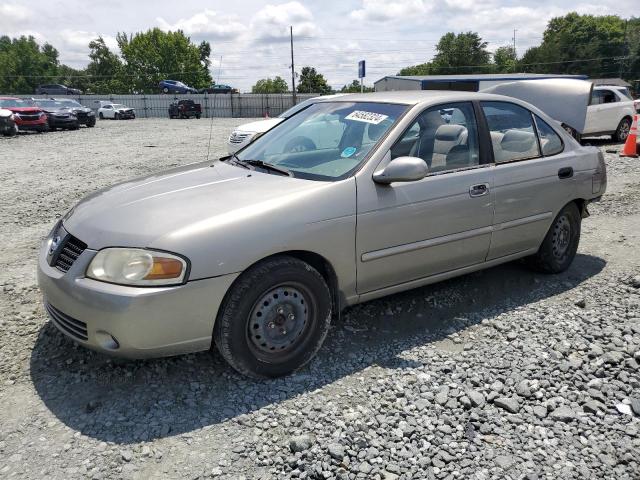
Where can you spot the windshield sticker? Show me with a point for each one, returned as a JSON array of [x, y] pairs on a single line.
[[367, 117], [347, 152]]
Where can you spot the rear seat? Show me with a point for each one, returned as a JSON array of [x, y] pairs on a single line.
[[513, 144]]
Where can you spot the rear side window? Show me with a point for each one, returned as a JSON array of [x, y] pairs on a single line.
[[513, 136], [550, 141]]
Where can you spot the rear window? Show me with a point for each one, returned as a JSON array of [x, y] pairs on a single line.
[[550, 141]]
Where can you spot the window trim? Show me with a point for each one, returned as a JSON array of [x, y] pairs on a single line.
[[535, 131], [562, 144], [482, 160]]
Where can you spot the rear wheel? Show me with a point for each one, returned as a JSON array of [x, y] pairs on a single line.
[[274, 319], [165, 90], [560, 245], [622, 132]]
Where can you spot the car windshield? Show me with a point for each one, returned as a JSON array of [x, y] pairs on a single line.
[[16, 102], [296, 108], [70, 103], [327, 141], [49, 104]]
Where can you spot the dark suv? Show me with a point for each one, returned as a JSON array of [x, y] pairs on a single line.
[[56, 89]]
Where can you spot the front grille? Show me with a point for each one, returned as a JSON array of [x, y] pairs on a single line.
[[81, 114], [237, 137], [29, 118], [69, 253], [70, 326]]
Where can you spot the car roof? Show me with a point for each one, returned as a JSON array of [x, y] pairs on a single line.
[[415, 97]]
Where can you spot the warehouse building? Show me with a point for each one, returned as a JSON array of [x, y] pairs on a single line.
[[467, 83]]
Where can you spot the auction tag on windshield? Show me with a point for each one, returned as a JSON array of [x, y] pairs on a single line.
[[367, 117]]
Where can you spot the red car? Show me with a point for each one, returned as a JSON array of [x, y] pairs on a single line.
[[27, 115]]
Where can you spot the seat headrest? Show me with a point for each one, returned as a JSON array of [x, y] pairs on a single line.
[[518, 141], [450, 133], [433, 119]]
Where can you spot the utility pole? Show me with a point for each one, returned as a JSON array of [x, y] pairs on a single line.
[[293, 71]]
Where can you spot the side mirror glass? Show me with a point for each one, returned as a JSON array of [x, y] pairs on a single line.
[[402, 169]]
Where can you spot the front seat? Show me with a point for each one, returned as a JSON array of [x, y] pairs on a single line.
[[429, 124], [447, 137]]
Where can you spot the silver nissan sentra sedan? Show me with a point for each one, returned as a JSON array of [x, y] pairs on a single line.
[[256, 252]]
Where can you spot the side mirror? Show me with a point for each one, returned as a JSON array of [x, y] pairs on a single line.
[[402, 169]]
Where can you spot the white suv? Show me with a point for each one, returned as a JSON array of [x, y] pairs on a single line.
[[610, 113]]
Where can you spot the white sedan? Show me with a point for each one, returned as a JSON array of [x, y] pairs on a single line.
[[244, 134], [116, 111]]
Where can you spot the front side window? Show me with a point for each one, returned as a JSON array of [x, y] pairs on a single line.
[[550, 141], [327, 140], [512, 134], [445, 137]]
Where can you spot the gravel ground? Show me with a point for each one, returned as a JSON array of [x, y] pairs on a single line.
[[499, 374]]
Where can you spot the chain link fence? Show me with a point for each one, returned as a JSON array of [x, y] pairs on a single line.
[[241, 105]]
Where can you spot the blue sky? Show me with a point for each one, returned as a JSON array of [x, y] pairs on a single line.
[[252, 36]]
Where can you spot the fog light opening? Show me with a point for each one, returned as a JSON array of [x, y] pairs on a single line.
[[107, 341]]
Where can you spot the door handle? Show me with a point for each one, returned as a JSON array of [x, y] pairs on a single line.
[[478, 190], [566, 172]]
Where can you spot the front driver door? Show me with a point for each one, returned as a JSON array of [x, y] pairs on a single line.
[[409, 231]]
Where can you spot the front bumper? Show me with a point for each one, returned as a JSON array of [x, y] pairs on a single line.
[[57, 122], [144, 322], [39, 126]]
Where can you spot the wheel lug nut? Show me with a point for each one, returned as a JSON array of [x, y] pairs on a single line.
[[272, 325], [292, 316]]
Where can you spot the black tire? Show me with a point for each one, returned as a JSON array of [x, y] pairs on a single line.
[[197, 117], [622, 132], [165, 90], [274, 318], [101, 116], [91, 123], [560, 245], [116, 116], [299, 144]]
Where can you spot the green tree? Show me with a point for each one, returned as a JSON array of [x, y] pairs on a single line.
[[598, 46], [155, 55], [268, 85], [461, 53], [455, 54], [505, 59], [105, 70], [354, 87], [421, 69], [24, 64], [312, 82]]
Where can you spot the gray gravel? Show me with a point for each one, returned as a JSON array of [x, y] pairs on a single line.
[[499, 374]]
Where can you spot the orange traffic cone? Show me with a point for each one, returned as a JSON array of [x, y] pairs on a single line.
[[630, 148]]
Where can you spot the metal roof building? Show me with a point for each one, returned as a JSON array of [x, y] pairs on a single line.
[[467, 83]]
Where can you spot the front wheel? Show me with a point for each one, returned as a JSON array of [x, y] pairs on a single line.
[[117, 116], [622, 132], [274, 319], [560, 245]]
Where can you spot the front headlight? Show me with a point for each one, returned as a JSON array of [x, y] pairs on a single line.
[[137, 267]]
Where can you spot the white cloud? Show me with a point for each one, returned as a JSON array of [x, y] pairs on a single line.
[[272, 22], [12, 13], [383, 11], [207, 24]]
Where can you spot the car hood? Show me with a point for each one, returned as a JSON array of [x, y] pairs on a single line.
[[260, 126], [24, 109], [146, 211]]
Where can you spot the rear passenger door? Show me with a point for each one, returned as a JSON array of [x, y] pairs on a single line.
[[533, 177]]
